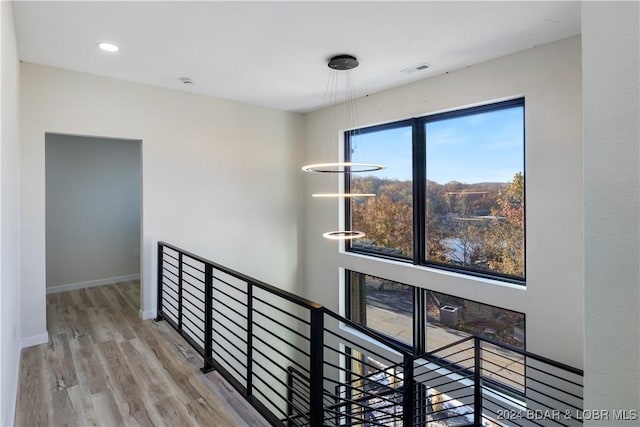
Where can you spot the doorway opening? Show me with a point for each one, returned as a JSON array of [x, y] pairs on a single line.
[[93, 199]]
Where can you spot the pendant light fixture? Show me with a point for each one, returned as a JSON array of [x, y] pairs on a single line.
[[342, 65]]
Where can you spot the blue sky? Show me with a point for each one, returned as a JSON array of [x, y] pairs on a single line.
[[485, 147]]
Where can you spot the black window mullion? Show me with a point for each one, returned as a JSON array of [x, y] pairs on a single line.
[[347, 189], [419, 321], [419, 191]]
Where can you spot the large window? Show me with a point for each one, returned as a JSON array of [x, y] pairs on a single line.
[[424, 319], [452, 195], [387, 219]]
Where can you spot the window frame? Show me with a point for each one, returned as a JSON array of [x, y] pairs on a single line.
[[419, 320], [419, 177]]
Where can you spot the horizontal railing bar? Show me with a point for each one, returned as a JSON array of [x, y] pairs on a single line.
[[513, 382], [300, 319], [195, 310], [553, 376], [393, 365], [197, 279], [367, 377], [221, 292], [278, 337], [169, 278], [382, 409], [381, 338], [240, 350], [220, 284], [284, 294], [228, 284], [174, 294], [258, 390], [555, 388], [450, 355], [169, 255], [493, 402], [299, 373], [220, 313], [277, 351], [243, 316], [453, 390], [362, 392], [446, 366], [439, 350], [277, 322], [520, 362], [502, 367], [358, 345], [533, 356], [232, 332], [352, 417], [172, 265], [184, 290], [272, 375], [186, 319], [195, 334], [228, 365], [164, 299], [191, 266], [553, 398], [173, 298], [186, 307], [371, 394], [547, 406]]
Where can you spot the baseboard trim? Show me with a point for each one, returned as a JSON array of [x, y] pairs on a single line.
[[14, 402], [149, 314], [34, 340], [92, 283]]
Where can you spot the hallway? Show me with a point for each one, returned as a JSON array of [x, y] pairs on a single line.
[[104, 366]]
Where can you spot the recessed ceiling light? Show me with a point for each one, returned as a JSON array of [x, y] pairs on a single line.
[[186, 81], [108, 47]]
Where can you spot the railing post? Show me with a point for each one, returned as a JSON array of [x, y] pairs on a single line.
[[477, 383], [289, 396], [159, 293], [408, 398], [316, 366], [249, 339], [180, 291], [208, 315]]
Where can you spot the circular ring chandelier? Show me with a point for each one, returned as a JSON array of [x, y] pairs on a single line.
[[344, 63], [343, 235], [342, 167]]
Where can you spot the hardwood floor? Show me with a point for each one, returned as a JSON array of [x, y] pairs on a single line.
[[104, 366]]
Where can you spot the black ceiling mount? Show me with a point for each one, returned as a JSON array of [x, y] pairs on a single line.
[[343, 62]]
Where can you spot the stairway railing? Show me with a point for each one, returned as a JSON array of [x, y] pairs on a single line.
[[300, 364]]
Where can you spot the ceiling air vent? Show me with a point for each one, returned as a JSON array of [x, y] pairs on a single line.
[[419, 67]]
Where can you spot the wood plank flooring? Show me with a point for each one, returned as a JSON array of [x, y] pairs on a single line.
[[104, 366]]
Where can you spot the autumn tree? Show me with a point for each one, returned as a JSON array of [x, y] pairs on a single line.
[[387, 219], [505, 243]]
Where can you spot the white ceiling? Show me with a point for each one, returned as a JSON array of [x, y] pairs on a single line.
[[274, 53]]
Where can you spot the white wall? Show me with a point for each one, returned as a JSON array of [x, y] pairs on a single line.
[[218, 177], [611, 88], [92, 209], [9, 217], [549, 77]]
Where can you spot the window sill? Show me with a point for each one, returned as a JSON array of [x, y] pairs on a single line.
[[351, 255]]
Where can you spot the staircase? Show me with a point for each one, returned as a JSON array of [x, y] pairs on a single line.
[[301, 364]]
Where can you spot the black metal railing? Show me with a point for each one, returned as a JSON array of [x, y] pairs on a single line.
[[300, 364]]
